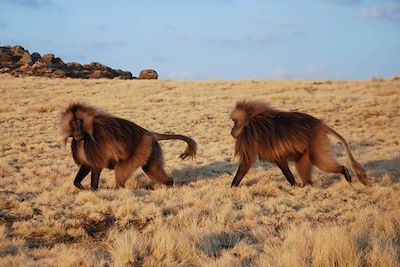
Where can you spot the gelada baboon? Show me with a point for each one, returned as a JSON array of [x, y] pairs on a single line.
[[101, 140], [281, 137]]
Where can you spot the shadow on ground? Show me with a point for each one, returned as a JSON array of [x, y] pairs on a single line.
[[215, 169], [382, 167], [209, 171]]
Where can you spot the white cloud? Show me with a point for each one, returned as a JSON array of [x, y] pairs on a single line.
[[315, 73], [281, 73], [307, 73], [3, 23], [276, 36], [183, 75], [257, 8], [389, 11], [33, 4], [346, 2], [289, 23], [106, 43]]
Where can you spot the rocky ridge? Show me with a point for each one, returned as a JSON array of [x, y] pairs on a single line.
[[17, 61]]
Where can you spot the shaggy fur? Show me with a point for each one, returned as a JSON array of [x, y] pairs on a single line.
[[101, 140], [280, 137]]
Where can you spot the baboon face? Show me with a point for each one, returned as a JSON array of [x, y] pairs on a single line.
[[236, 129], [77, 129], [239, 118]]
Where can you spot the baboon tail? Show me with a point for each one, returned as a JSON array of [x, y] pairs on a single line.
[[191, 148], [360, 172]]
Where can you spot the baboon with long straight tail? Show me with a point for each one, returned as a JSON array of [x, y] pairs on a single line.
[[281, 137], [100, 140]]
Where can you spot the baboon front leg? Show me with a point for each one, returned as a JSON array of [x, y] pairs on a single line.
[[94, 179], [83, 171], [243, 169], [286, 171]]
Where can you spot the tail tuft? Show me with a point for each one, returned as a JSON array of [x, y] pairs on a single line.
[[190, 150], [361, 174]]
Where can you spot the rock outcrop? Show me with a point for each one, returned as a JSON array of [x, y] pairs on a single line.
[[19, 62]]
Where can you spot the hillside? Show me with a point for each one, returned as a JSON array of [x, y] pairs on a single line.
[[201, 221]]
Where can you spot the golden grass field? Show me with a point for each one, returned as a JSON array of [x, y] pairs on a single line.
[[201, 221]]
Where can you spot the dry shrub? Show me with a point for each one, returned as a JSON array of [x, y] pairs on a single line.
[[372, 240], [378, 237], [172, 247], [128, 248], [334, 247]]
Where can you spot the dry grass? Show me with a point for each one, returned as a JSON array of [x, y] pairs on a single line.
[[46, 221]]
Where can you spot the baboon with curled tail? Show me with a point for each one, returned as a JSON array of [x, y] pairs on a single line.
[[100, 140], [281, 137]]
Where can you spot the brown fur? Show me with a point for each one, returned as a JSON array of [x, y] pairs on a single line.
[[101, 140], [281, 137]]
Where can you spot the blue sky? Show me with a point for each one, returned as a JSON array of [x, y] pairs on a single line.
[[220, 39]]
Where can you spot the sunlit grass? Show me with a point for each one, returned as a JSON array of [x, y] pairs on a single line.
[[201, 221]]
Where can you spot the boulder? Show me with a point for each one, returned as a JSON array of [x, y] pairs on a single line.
[[35, 57], [6, 56], [39, 65], [25, 59], [48, 58], [58, 74], [5, 70], [74, 66], [25, 67], [125, 75], [58, 61], [97, 74], [18, 50], [148, 74]]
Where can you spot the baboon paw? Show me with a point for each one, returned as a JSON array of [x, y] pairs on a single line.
[[303, 184], [169, 183], [79, 186]]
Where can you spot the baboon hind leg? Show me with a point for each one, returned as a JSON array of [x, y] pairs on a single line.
[[287, 173], [122, 173], [322, 157], [94, 179], [124, 169], [304, 168], [154, 168]]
